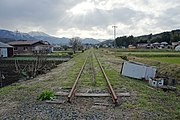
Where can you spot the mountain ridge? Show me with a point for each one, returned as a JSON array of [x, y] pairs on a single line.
[[36, 35]]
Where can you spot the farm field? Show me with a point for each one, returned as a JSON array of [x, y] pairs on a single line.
[[158, 55], [167, 61], [144, 102], [149, 54], [175, 60], [34, 58], [22, 66], [152, 53], [170, 57]]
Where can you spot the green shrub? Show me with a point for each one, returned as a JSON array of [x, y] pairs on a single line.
[[70, 53], [46, 95], [64, 54]]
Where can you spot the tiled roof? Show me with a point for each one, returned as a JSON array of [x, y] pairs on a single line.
[[4, 45], [24, 42]]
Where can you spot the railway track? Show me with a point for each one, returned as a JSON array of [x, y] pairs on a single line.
[[74, 87]]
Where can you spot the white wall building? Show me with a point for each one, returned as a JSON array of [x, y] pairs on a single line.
[[5, 50]]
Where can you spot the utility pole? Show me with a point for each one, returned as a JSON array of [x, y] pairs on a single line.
[[114, 27], [16, 34]]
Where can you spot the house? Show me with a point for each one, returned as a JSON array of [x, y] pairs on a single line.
[[6, 50], [131, 47], [30, 46], [164, 45], [174, 44], [177, 48], [105, 46], [156, 45], [142, 45], [57, 48]]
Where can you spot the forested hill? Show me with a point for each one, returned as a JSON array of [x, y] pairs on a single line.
[[169, 37]]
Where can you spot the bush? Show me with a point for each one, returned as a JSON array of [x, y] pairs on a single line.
[[46, 95], [124, 58], [70, 53], [64, 54]]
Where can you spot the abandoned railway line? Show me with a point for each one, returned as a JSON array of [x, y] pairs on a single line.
[[92, 97], [74, 87]]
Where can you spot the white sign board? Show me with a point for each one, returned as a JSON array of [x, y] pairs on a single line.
[[138, 70]]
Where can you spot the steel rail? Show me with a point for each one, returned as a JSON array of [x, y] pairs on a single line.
[[110, 89], [73, 89]]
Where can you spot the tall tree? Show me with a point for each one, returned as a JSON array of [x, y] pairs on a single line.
[[76, 43]]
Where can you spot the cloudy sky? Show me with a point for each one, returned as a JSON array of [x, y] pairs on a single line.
[[90, 18]]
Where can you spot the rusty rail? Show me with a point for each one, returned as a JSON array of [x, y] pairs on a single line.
[[73, 89], [93, 71], [111, 91]]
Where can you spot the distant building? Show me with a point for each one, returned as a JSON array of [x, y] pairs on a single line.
[[6, 50], [30, 46], [105, 46], [57, 48], [156, 45], [164, 45], [142, 45], [177, 48], [174, 44], [131, 47]]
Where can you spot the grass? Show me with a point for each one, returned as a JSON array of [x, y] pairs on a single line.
[[144, 53], [155, 102], [99, 78], [46, 95], [167, 59], [141, 50], [31, 58], [6, 90], [167, 62], [163, 105], [72, 74], [149, 54], [62, 53], [86, 77]]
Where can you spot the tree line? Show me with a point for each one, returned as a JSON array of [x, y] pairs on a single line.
[[169, 37]]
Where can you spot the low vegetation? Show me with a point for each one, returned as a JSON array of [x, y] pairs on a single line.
[[46, 95], [144, 103], [163, 105], [175, 60], [167, 62]]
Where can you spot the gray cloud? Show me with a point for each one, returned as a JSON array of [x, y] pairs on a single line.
[[170, 19], [51, 16]]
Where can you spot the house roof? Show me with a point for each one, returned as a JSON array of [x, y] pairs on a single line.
[[175, 43], [164, 43], [156, 43], [4, 45], [24, 42]]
